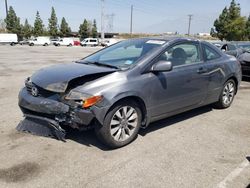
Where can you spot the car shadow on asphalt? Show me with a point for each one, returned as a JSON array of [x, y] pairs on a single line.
[[89, 139], [174, 119]]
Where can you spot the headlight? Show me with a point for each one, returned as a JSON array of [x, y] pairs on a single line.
[[57, 87], [74, 95], [87, 100]]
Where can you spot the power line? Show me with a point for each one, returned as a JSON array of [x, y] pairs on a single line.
[[128, 6], [189, 23]]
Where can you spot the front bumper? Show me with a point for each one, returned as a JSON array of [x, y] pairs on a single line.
[[54, 110]]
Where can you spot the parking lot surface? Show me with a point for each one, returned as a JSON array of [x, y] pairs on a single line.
[[201, 148]]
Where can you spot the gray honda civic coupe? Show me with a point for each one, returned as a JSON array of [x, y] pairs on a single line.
[[126, 86]]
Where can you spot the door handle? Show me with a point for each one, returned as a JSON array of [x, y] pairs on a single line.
[[202, 70]]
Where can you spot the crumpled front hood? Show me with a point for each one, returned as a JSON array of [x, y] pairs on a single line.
[[57, 77]]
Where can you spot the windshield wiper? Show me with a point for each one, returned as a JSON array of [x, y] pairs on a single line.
[[100, 64]]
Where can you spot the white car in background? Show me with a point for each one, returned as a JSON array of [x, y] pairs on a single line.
[[90, 42], [108, 42], [44, 41], [8, 38], [64, 42]]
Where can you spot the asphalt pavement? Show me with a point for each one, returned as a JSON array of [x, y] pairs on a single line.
[[201, 148]]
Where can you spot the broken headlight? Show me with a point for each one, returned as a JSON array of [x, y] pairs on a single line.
[[85, 100], [77, 96], [56, 87]]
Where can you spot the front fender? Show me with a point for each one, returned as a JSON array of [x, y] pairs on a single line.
[[102, 109]]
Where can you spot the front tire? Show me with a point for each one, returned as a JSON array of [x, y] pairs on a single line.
[[227, 95], [121, 124]]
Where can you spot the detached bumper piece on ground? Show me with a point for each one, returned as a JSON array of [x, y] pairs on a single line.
[[41, 127]]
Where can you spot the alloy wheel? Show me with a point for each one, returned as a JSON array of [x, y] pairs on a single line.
[[123, 123], [228, 93]]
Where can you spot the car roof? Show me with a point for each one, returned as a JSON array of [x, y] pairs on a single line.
[[170, 38]]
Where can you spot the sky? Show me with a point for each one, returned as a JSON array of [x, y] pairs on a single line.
[[149, 16]]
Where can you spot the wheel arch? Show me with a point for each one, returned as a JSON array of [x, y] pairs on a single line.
[[136, 99], [234, 78]]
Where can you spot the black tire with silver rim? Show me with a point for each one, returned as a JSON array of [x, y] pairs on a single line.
[[227, 95], [121, 124]]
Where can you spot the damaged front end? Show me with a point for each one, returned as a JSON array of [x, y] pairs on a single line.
[[46, 113], [49, 103]]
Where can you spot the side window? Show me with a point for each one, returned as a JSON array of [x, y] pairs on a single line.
[[210, 54], [182, 54]]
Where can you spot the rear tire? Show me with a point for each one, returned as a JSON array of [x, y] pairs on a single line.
[[227, 95], [121, 125], [46, 44]]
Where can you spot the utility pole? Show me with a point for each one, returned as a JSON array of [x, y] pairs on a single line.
[[102, 20], [131, 20], [6, 7], [189, 23]]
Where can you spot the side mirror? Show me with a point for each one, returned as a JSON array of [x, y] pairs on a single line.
[[162, 66]]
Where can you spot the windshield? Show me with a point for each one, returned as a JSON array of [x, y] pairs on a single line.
[[125, 53]]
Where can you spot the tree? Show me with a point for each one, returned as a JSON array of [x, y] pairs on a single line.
[[94, 30], [26, 29], [236, 24], [12, 22], [38, 26], [247, 30], [64, 28], [236, 29], [219, 24], [234, 11], [84, 29], [53, 28], [230, 25]]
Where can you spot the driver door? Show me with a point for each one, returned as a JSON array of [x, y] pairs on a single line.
[[184, 86]]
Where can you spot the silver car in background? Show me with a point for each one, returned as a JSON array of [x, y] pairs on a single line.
[[126, 86]]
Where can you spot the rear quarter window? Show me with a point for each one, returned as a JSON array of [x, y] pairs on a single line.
[[210, 53]]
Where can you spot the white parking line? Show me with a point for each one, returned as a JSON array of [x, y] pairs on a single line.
[[235, 173]]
